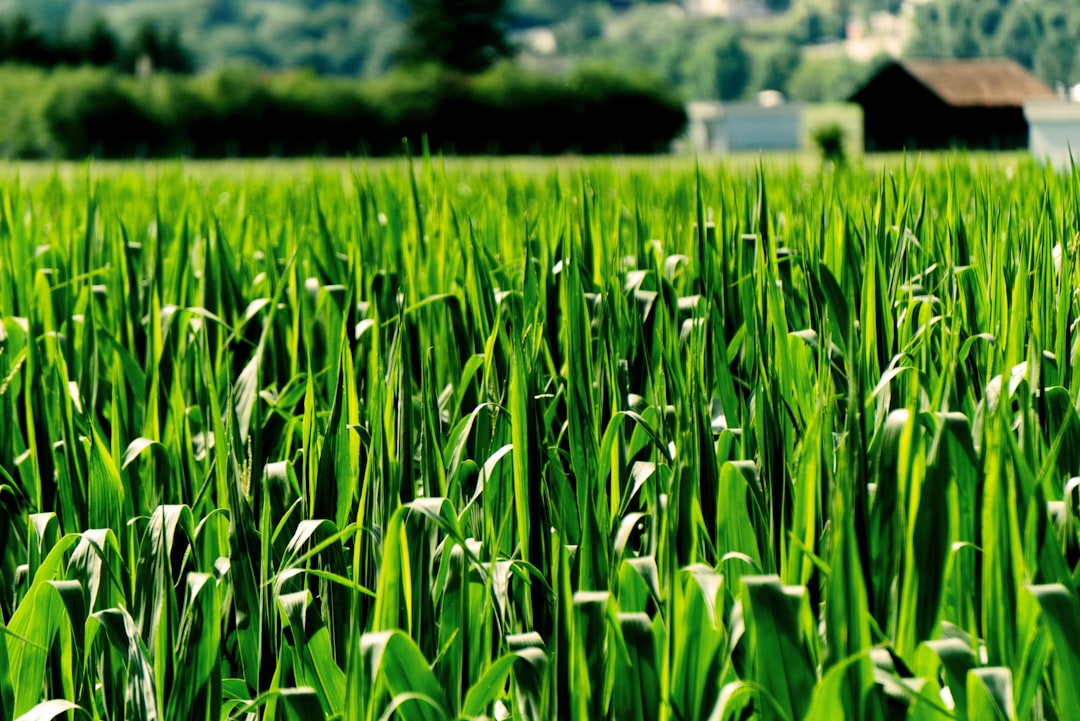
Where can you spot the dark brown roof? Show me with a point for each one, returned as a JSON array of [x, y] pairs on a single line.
[[984, 83]]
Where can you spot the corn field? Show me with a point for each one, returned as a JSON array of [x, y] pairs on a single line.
[[605, 440]]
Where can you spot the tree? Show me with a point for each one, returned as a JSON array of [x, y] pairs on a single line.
[[1019, 35], [21, 41], [717, 66], [466, 35], [99, 46], [829, 80], [777, 6], [928, 40], [965, 41], [775, 64], [654, 39], [221, 12], [47, 15], [1056, 51], [163, 50]]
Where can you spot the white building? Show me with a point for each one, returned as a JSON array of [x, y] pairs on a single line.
[[1053, 130], [730, 9], [769, 124]]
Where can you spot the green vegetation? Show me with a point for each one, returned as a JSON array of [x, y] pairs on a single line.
[[830, 141], [241, 113], [847, 117], [23, 42], [466, 35], [1039, 34], [456, 90], [699, 57], [773, 50], [604, 440]]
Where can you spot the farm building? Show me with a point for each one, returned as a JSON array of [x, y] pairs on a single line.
[[937, 104], [769, 124], [729, 9], [1053, 130]]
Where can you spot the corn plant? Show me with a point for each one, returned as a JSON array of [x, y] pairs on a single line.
[[478, 439]]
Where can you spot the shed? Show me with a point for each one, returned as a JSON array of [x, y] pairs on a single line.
[[937, 104], [1053, 130], [769, 124]]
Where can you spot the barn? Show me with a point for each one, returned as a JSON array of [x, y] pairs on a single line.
[[940, 104]]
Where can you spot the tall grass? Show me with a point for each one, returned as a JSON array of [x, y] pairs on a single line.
[[577, 442]]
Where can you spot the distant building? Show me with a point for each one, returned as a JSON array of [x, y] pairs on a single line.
[[769, 124], [541, 41], [937, 104], [878, 34], [1054, 130], [730, 9]]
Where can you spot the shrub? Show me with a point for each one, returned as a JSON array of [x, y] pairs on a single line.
[[22, 130], [89, 112], [830, 141], [623, 113], [240, 112]]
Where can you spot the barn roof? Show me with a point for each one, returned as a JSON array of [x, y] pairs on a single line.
[[977, 83]]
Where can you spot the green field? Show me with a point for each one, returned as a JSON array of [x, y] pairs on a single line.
[[611, 439]]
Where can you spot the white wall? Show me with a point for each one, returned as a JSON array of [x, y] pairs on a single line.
[[769, 129], [1053, 140], [744, 127], [1053, 129]]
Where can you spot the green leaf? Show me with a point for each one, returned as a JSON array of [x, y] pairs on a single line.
[[637, 689], [317, 666], [989, 692], [32, 630], [48, 710], [393, 659], [106, 494], [778, 626], [1062, 613], [141, 693], [489, 688], [957, 659], [197, 684]]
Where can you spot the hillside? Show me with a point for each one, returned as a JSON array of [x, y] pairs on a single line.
[[359, 36], [704, 48], [330, 37]]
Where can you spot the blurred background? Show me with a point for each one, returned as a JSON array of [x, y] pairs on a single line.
[[297, 77]]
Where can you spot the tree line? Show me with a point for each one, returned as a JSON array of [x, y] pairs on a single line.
[[23, 42], [455, 86], [464, 35], [1039, 34], [234, 112]]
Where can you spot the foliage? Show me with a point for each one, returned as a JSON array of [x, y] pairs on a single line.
[[464, 35], [241, 113], [830, 142], [162, 49], [829, 79], [22, 107], [365, 37], [702, 58], [23, 42], [88, 112], [717, 66], [774, 65], [1039, 34], [451, 440]]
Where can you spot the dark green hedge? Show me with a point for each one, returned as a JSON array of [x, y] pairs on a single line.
[[242, 113]]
